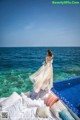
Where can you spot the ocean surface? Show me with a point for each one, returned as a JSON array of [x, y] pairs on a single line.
[[17, 63]]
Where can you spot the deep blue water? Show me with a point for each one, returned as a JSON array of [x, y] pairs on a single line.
[[68, 91], [16, 64]]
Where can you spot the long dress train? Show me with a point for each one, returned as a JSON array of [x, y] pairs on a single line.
[[42, 79]]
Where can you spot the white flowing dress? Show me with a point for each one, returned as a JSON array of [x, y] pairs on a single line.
[[43, 77]]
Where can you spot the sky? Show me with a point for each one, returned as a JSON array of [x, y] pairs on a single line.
[[26, 23]]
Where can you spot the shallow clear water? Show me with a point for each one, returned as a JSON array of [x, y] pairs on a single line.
[[16, 64]]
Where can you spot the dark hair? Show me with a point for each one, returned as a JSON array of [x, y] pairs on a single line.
[[50, 53]]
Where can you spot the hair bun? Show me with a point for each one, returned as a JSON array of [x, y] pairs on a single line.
[[50, 53]]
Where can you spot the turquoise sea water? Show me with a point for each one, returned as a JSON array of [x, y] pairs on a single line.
[[16, 64]]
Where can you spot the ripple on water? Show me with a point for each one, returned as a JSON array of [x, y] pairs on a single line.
[[18, 80]]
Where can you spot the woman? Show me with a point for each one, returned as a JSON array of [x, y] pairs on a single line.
[[43, 78]]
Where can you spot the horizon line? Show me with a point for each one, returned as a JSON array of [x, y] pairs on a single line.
[[36, 46]]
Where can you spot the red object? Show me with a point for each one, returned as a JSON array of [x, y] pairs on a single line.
[[51, 99]]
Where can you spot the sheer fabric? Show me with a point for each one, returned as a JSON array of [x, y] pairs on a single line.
[[43, 77]]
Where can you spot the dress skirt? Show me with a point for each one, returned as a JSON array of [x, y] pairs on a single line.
[[43, 77]]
